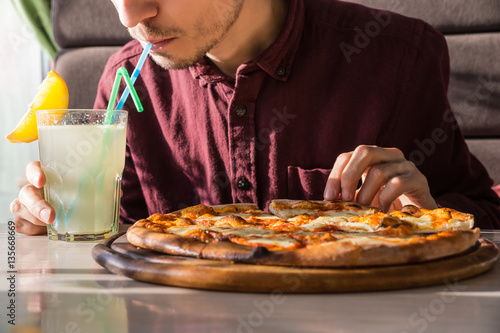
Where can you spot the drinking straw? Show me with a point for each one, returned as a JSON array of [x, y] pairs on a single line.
[[121, 73], [135, 75]]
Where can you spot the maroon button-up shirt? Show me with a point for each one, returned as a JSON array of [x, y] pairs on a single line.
[[339, 75]]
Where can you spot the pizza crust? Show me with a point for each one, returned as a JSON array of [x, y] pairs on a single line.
[[228, 251], [348, 254], [165, 243]]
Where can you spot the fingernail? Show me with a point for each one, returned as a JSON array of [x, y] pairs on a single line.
[[15, 207], [329, 194], [35, 178], [45, 215], [346, 196]]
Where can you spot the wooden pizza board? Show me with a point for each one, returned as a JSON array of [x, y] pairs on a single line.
[[120, 257]]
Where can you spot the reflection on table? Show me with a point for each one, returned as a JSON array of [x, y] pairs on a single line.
[[59, 288]]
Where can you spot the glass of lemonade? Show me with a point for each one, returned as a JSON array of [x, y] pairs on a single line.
[[82, 155]]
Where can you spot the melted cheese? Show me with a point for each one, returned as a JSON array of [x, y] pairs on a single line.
[[246, 217], [211, 218], [348, 213], [365, 240], [419, 221], [275, 241], [184, 231], [242, 231], [355, 227], [314, 225], [339, 221], [426, 224]]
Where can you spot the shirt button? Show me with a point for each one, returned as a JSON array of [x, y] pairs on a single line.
[[280, 71], [241, 111], [243, 183]]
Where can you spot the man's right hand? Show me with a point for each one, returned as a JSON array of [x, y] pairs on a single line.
[[32, 212]]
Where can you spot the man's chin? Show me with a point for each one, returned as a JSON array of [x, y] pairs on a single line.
[[167, 62]]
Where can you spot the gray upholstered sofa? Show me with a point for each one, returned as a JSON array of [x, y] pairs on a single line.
[[88, 31]]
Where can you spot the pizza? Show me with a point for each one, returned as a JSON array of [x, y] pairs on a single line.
[[308, 234]]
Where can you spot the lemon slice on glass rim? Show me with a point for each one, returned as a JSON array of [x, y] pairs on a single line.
[[52, 94]]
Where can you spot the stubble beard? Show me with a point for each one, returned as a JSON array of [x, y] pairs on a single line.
[[216, 31]]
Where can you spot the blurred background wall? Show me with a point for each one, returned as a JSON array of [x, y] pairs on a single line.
[[22, 67]]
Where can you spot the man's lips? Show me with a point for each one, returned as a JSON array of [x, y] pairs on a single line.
[[159, 44]]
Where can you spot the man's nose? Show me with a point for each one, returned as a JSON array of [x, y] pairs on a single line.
[[132, 12]]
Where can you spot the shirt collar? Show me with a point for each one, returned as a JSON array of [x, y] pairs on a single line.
[[276, 60]]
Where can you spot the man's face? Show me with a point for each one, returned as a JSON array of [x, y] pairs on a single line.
[[181, 31]]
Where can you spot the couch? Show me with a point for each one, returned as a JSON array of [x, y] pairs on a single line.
[[89, 31]]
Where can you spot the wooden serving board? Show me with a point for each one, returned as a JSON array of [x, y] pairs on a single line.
[[120, 257]]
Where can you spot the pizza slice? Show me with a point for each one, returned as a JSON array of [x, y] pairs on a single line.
[[353, 217], [436, 220]]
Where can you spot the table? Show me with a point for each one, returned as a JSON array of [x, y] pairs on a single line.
[[59, 288]]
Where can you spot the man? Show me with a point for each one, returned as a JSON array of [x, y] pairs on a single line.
[[250, 100]]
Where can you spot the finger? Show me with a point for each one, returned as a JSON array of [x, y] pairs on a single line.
[[32, 199], [413, 185], [35, 174], [396, 204], [362, 159], [378, 176], [332, 189], [19, 210], [27, 228]]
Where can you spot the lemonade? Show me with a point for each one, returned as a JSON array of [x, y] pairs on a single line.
[[83, 161]]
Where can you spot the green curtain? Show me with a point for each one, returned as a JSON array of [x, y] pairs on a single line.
[[36, 14]]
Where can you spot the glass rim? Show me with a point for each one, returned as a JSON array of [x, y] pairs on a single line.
[[80, 110]]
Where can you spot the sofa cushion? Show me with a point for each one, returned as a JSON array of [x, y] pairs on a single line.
[[474, 90], [472, 30], [448, 16], [87, 23], [81, 69], [488, 152]]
